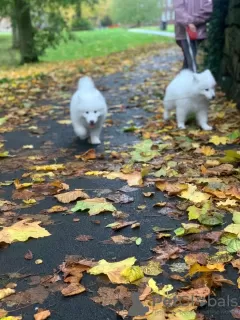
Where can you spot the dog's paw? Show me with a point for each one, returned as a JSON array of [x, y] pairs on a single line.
[[95, 140], [181, 126], [207, 127]]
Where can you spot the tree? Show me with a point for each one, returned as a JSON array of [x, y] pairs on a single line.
[[25, 30], [136, 12]]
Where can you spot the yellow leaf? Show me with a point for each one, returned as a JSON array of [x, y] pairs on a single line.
[[6, 292], [50, 167], [218, 140], [196, 267], [233, 228], [22, 231], [133, 179], [28, 146], [207, 151], [227, 203], [11, 318], [95, 206], [162, 292], [113, 269], [38, 261], [132, 273], [238, 282], [71, 196], [153, 268], [19, 185], [194, 195], [30, 201], [67, 121]]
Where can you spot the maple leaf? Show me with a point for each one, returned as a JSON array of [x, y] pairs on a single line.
[[196, 267], [70, 196], [194, 195], [95, 206], [22, 231], [218, 140], [162, 292], [207, 151], [113, 269]]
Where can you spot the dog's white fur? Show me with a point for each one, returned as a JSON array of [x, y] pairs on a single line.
[[88, 111], [190, 92]]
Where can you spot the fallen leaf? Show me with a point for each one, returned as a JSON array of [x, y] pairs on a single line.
[[50, 167], [194, 195], [88, 155], [28, 255], [207, 151], [42, 315], [22, 231], [123, 240], [120, 198], [70, 196], [39, 261], [153, 268], [95, 206], [218, 140], [55, 209], [111, 296], [235, 313], [171, 188], [120, 224], [84, 238], [138, 241], [64, 121], [113, 269], [73, 289], [6, 292]]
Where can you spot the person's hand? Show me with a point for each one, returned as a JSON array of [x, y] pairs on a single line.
[[192, 27]]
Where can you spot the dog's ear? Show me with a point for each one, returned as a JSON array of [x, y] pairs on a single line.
[[195, 77]]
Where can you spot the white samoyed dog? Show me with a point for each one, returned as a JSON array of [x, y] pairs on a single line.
[[190, 92], [88, 111]]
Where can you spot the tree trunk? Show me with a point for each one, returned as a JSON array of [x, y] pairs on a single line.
[[25, 29], [15, 34], [79, 9]]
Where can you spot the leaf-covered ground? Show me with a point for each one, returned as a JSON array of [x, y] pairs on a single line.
[[154, 210]]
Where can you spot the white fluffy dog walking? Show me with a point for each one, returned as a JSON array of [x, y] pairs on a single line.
[[88, 111], [190, 93]]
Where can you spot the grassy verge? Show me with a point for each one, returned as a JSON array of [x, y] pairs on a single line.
[[170, 28], [88, 44]]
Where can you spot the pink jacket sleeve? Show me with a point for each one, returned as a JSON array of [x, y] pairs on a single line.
[[204, 13], [184, 18], [181, 15]]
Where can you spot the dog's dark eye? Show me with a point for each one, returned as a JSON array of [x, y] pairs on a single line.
[[206, 89], [95, 111], [87, 112]]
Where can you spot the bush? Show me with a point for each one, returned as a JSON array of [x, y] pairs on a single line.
[[81, 24], [106, 21], [215, 45]]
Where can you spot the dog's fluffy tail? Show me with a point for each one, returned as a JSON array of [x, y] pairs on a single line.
[[86, 84]]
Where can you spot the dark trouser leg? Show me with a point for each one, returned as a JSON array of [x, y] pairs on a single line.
[[188, 62]]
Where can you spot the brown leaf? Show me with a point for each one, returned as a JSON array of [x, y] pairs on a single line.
[[223, 169], [167, 251], [119, 197], [28, 255], [214, 236], [109, 296], [70, 196], [84, 238], [146, 292], [121, 224], [123, 240], [177, 277], [42, 315], [88, 155], [171, 188], [56, 209], [218, 280], [197, 245], [194, 295], [73, 289], [236, 264]]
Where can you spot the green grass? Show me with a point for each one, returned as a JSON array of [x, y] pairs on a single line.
[[87, 44], [170, 28]]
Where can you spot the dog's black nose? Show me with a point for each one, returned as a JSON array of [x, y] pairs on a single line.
[[91, 122], [213, 97]]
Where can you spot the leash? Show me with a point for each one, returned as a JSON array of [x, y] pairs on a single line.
[[191, 53]]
